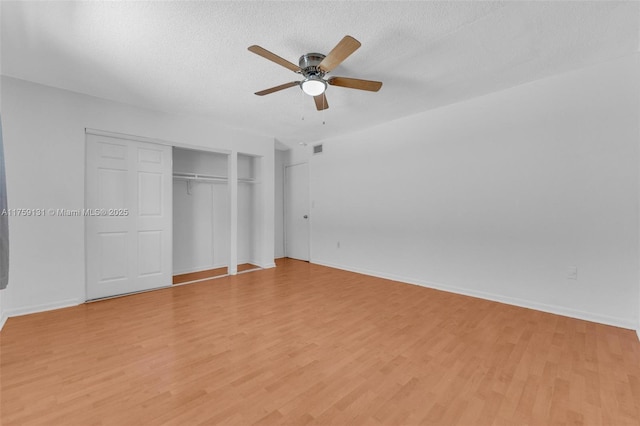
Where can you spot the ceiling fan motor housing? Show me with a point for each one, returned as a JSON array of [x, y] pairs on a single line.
[[309, 64]]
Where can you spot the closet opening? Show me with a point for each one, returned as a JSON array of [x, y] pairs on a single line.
[[248, 212], [201, 215]]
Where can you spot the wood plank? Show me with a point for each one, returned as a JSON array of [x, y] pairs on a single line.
[[306, 344], [199, 275], [242, 267], [209, 273]]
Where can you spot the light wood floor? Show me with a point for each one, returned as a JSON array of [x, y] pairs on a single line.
[[305, 344], [210, 273]]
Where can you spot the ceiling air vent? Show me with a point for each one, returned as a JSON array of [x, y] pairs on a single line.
[[317, 149]]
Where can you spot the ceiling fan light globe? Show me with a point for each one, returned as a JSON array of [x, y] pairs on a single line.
[[313, 86]]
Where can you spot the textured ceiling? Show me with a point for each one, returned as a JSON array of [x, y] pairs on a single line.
[[191, 57]]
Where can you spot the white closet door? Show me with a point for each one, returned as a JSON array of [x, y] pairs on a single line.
[[129, 241]]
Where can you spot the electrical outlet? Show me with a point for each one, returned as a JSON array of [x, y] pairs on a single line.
[[572, 273]]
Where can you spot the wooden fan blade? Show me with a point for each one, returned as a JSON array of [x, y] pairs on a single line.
[[277, 88], [321, 102], [346, 47], [354, 83], [273, 57]]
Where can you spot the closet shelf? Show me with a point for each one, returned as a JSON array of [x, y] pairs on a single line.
[[247, 180], [199, 177]]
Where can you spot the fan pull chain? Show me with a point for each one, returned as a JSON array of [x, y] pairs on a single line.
[[324, 107], [324, 104], [302, 94]]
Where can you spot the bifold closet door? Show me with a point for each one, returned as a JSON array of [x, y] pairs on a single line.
[[128, 216]]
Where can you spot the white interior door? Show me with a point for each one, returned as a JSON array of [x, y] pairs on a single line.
[[128, 229], [296, 211]]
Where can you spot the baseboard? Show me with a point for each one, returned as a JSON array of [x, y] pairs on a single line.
[[552, 309], [43, 308]]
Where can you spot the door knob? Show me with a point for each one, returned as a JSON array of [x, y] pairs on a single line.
[[305, 216]]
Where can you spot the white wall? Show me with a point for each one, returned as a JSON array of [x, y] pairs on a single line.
[[44, 147], [246, 231], [280, 161], [497, 197], [208, 163], [3, 317]]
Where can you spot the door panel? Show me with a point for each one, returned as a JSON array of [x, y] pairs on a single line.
[[150, 252], [113, 256], [127, 252], [115, 151], [150, 194], [296, 211], [153, 156], [112, 190]]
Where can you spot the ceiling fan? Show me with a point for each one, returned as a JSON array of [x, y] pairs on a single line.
[[314, 67]]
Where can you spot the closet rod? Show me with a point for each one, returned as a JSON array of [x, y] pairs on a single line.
[[202, 178]]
